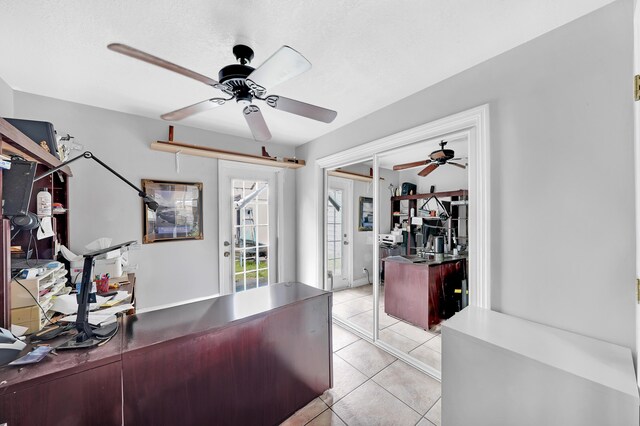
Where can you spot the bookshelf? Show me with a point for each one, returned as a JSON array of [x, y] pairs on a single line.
[[14, 142], [453, 200]]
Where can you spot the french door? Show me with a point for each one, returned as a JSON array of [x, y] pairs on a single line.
[[338, 235], [248, 218]]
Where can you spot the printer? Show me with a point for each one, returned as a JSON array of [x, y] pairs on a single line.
[[392, 238], [10, 346]]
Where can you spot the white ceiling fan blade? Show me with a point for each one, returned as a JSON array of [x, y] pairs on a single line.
[[283, 65], [256, 123], [301, 108], [185, 112]]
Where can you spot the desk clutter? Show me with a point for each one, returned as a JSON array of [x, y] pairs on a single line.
[[41, 296]]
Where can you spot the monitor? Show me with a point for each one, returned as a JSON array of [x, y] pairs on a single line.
[[17, 183]]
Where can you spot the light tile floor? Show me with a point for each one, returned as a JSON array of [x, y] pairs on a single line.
[[355, 305], [372, 387]]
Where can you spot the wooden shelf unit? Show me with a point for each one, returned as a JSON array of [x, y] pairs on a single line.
[[14, 142], [25, 311], [461, 194], [203, 151]]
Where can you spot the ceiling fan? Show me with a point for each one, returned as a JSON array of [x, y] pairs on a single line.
[[436, 158], [244, 84]]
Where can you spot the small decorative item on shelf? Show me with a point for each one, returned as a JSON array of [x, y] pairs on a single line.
[[58, 208], [102, 283]]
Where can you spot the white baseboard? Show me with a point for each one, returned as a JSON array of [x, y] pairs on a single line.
[[359, 282]]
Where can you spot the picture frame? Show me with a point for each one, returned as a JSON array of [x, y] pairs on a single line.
[[365, 214], [179, 214]]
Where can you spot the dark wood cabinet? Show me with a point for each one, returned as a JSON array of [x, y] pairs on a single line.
[[92, 397], [248, 359], [415, 292]]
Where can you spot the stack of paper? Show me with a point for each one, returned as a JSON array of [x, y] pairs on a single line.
[[101, 317]]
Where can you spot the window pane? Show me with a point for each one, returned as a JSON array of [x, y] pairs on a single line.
[[252, 280], [239, 282], [251, 233]]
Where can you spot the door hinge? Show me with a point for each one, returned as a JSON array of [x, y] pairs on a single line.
[[636, 87]]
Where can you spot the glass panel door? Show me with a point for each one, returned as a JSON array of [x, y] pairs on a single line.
[[334, 233], [251, 234], [249, 219]]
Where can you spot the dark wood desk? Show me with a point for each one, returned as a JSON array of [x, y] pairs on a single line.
[[251, 358], [413, 292]]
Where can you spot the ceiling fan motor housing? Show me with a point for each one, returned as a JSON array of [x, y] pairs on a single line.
[[235, 75], [442, 156]]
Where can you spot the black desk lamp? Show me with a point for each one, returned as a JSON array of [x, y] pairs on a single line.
[[148, 201], [87, 336]]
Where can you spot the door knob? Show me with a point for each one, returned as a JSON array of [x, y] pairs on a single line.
[[227, 254], [227, 243], [346, 243]]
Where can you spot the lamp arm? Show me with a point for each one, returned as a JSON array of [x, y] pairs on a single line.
[[89, 154], [55, 169]]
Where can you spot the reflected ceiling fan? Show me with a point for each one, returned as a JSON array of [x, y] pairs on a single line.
[[244, 84], [436, 158]]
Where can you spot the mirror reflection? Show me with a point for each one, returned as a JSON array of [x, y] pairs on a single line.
[[349, 244], [423, 245]]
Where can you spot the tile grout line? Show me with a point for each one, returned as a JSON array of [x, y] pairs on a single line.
[[432, 405], [395, 359], [335, 351], [379, 384], [347, 394], [395, 397], [320, 413], [338, 416]]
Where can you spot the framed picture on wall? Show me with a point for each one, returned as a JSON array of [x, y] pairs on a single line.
[[365, 216], [179, 214]]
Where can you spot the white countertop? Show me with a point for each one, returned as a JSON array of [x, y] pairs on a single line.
[[595, 360]]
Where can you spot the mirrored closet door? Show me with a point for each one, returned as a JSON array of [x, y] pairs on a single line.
[[349, 244], [422, 245]]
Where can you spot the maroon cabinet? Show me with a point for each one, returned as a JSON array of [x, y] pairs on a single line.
[[73, 388], [251, 359], [413, 292], [256, 372], [92, 397]]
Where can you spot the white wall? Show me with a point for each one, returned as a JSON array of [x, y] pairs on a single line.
[[6, 99], [557, 103], [102, 206], [363, 240]]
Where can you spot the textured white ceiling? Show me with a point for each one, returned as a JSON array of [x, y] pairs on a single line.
[[365, 54]]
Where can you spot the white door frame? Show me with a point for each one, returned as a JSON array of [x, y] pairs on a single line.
[[472, 123], [225, 168], [347, 227], [636, 132]]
